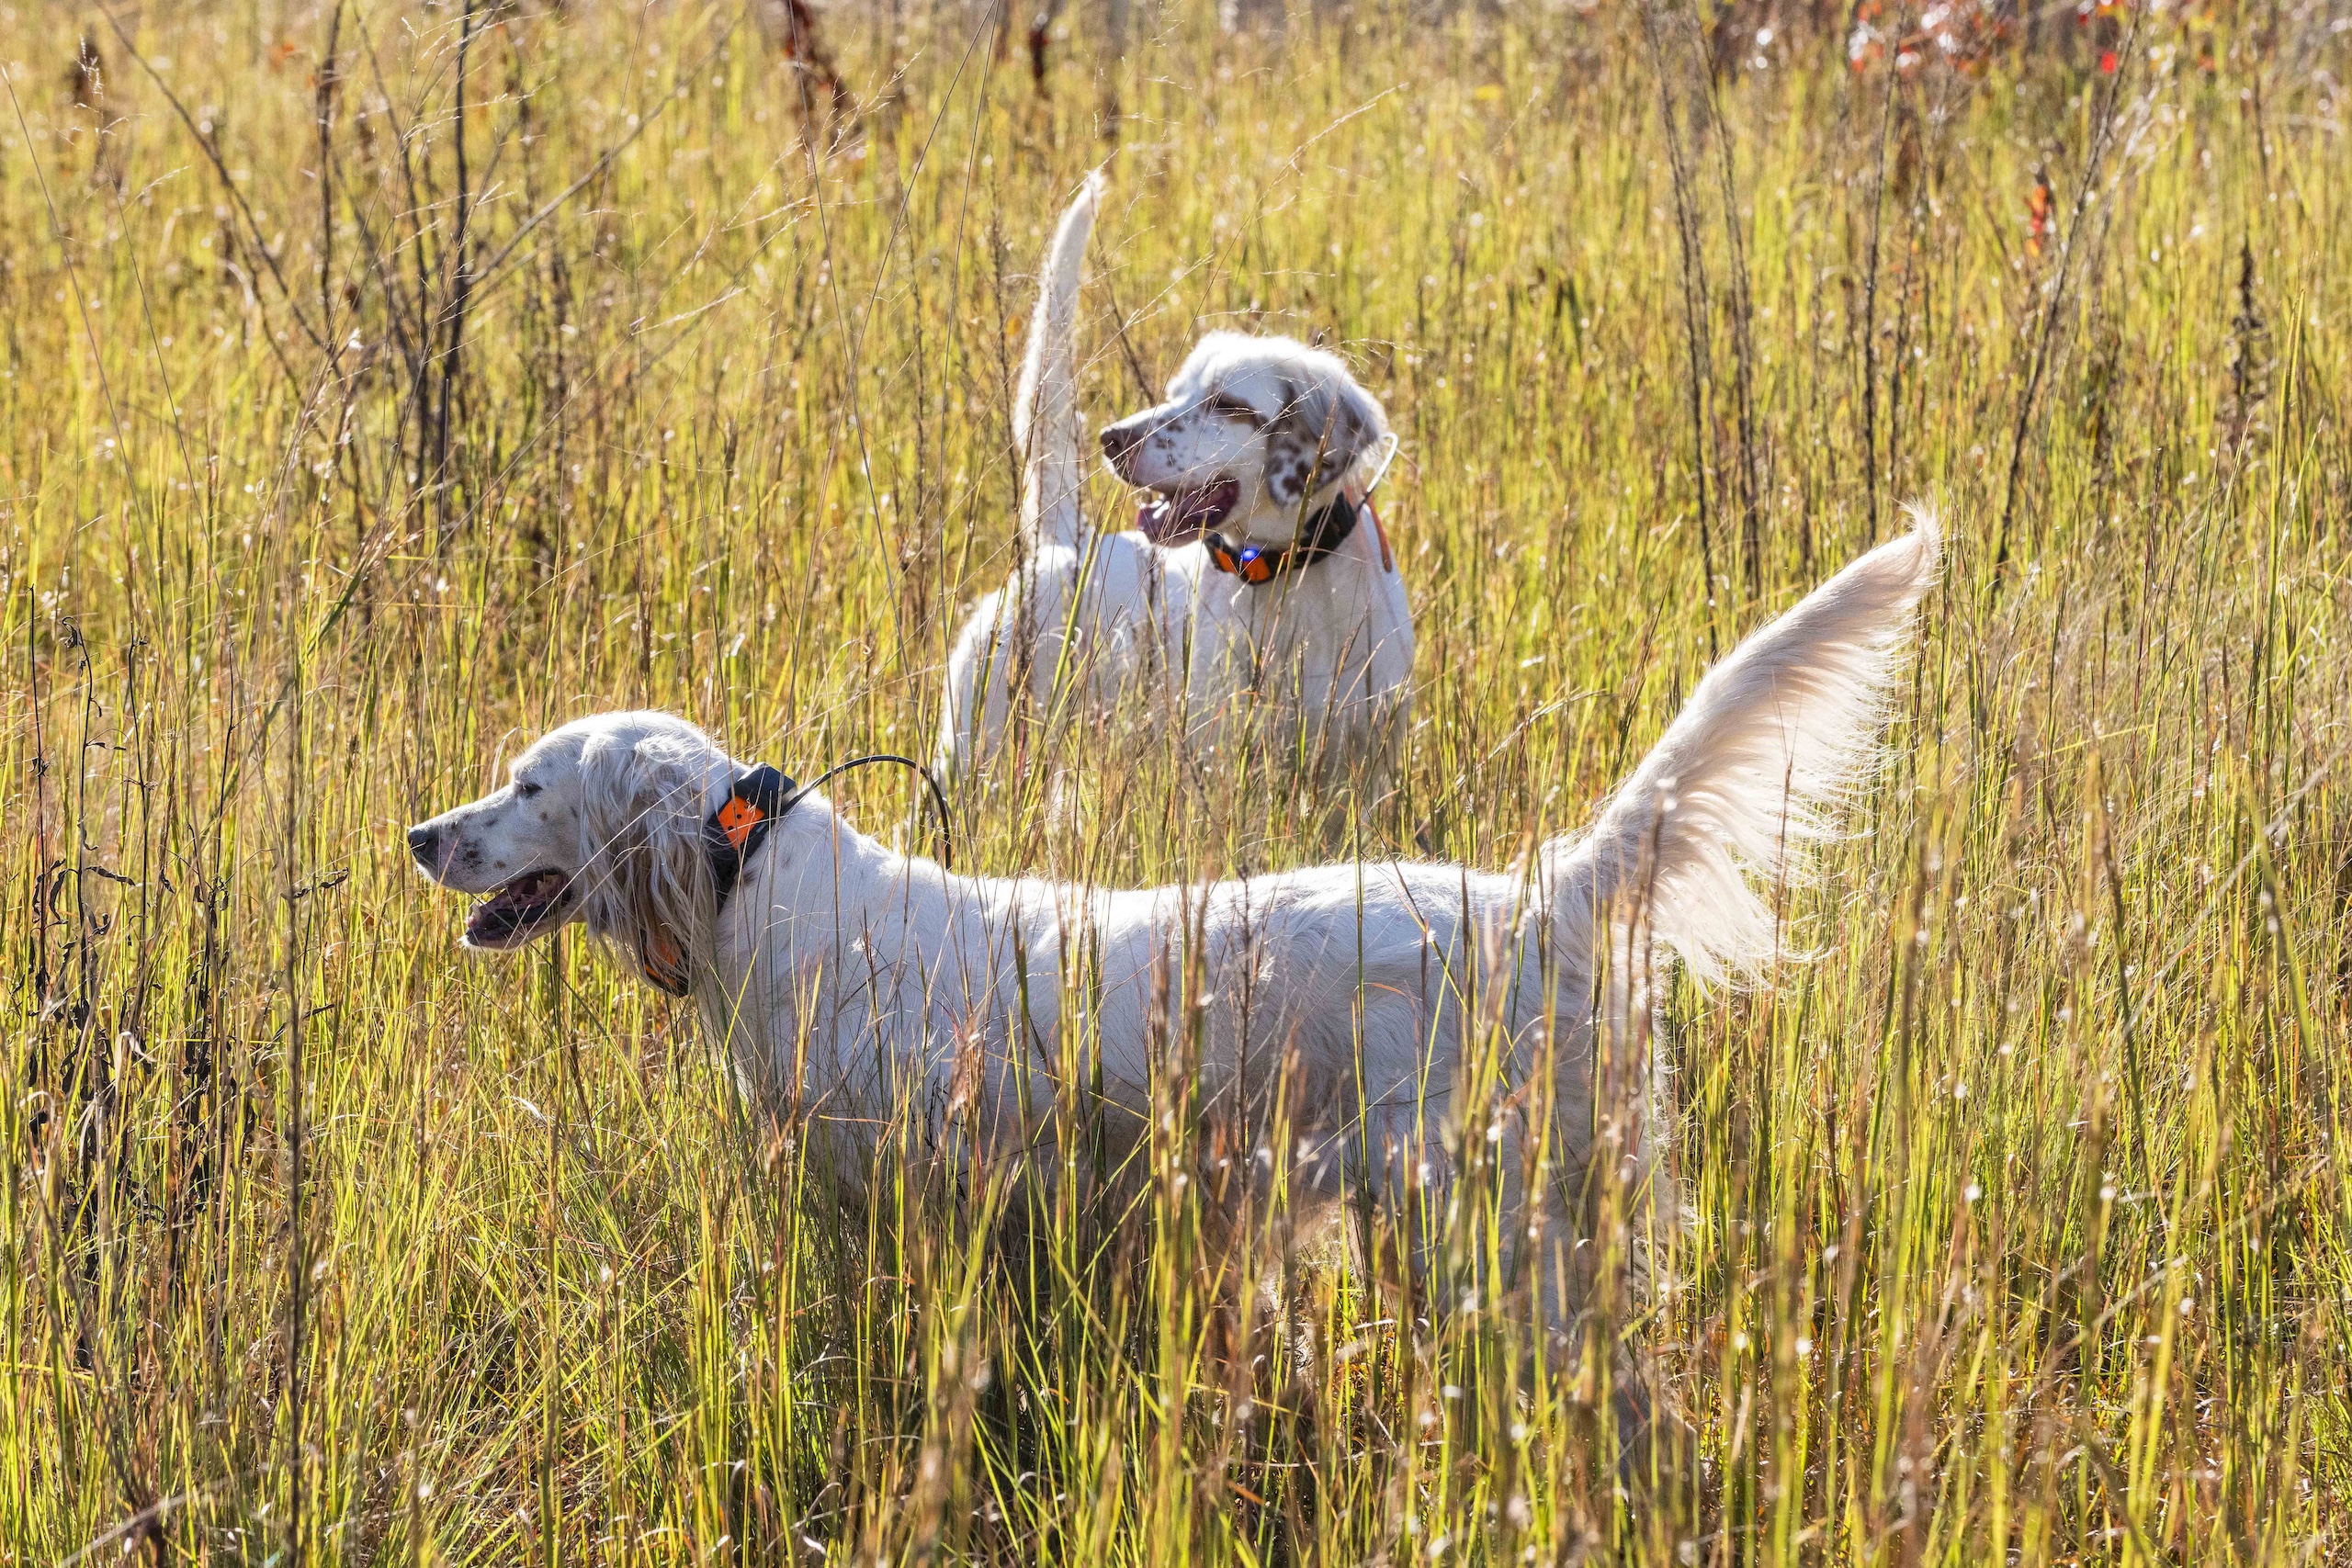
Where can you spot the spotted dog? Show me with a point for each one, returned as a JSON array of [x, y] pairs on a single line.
[[1256, 601]]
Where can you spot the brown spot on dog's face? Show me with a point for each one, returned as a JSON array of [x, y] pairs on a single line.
[[1314, 440]]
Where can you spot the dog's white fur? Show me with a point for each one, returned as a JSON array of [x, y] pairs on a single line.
[[1101, 622], [857, 982]]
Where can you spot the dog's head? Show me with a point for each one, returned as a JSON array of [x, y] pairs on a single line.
[[600, 821], [1255, 433]]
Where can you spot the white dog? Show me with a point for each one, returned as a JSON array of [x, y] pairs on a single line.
[[861, 985], [1257, 597]]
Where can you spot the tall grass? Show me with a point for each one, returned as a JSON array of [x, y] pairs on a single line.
[[387, 382]]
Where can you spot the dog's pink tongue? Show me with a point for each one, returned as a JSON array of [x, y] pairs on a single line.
[[1158, 518], [486, 921]]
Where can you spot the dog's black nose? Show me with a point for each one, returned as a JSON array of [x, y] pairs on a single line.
[[1119, 440], [420, 841]]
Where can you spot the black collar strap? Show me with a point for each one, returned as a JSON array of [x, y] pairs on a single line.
[[1325, 531], [731, 836]]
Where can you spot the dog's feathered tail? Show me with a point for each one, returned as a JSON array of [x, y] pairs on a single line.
[[1045, 409], [1749, 775]]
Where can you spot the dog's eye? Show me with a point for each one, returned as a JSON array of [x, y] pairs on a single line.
[[523, 789], [1233, 408]]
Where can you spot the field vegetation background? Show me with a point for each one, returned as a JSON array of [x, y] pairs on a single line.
[[386, 381]]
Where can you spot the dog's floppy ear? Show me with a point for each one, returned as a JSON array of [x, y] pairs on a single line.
[[649, 883], [1326, 425]]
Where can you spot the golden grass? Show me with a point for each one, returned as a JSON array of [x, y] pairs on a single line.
[[2018, 1219]]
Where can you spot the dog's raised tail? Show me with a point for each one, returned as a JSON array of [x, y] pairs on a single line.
[[1044, 409], [1750, 774]]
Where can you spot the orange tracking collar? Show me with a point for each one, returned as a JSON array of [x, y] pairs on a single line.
[[733, 833], [1325, 532]]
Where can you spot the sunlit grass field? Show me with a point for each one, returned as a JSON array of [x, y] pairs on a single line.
[[387, 382]]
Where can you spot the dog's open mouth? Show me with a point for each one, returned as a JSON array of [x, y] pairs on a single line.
[[519, 910], [1187, 511]]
